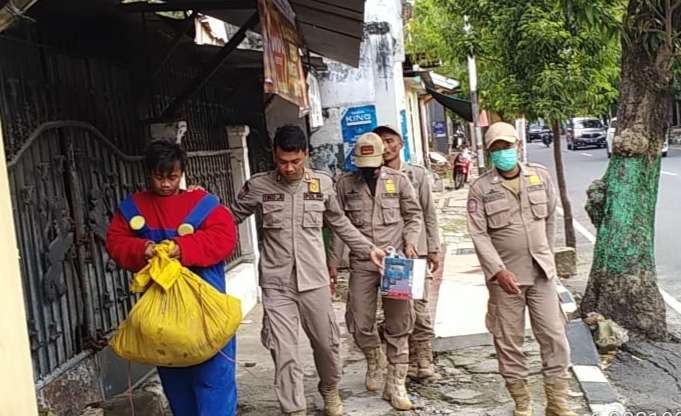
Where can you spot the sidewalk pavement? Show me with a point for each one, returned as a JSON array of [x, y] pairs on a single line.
[[471, 384], [465, 357]]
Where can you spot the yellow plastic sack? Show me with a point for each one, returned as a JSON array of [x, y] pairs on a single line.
[[180, 320]]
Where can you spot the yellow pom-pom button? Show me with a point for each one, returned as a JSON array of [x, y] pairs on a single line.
[[185, 229], [137, 222]]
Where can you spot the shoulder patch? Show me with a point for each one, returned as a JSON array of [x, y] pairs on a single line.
[[472, 205]]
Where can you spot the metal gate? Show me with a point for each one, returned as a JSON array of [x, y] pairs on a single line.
[[66, 181]]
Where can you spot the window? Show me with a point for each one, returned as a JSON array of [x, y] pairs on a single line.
[[588, 124]]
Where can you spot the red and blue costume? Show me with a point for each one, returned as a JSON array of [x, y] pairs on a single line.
[[206, 234]]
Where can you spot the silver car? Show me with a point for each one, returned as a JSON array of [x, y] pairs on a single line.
[[585, 131]]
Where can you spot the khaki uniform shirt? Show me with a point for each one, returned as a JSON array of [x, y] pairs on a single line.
[[511, 231], [390, 218], [292, 217], [429, 239]]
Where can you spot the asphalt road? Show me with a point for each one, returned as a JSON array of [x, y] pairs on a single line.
[[583, 166]]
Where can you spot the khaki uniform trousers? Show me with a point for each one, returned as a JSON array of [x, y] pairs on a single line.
[[361, 315], [506, 322], [286, 310]]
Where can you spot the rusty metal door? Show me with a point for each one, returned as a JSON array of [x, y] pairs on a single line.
[[66, 181]]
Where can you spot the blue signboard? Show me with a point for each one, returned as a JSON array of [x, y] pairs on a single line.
[[356, 121], [406, 150], [439, 128]]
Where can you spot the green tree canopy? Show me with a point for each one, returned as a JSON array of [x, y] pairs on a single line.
[[542, 58]]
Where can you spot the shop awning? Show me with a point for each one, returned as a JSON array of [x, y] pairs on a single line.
[[331, 28], [457, 105]]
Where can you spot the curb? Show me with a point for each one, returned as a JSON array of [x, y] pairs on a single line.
[[586, 367]]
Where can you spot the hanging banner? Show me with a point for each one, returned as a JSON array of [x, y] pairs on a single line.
[[281, 56]]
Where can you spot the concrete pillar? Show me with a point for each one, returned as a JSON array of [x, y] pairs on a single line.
[[16, 383], [243, 279]]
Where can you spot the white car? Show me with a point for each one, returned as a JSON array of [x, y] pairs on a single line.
[[611, 135]]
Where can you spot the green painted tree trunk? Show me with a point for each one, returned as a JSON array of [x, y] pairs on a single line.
[[623, 281]]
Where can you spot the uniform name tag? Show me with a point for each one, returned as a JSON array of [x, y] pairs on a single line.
[[536, 188], [387, 195], [493, 196], [353, 195], [272, 197], [313, 196]]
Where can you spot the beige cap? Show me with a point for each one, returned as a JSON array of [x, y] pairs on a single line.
[[500, 131], [387, 128], [369, 151]]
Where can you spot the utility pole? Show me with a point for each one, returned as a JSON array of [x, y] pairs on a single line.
[[473, 85]]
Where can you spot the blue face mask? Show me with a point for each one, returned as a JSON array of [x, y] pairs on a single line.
[[505, 160]]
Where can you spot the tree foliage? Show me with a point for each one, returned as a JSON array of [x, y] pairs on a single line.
[[552, 59]]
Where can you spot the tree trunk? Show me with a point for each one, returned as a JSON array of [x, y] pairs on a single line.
[[570, 240], [623, 280]]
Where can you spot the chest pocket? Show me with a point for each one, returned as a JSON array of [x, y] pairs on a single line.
[[272, 215], [498, 213], [355, 212], [538, 203], [391, 210], [313, 214]]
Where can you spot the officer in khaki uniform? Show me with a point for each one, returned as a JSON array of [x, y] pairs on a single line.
[[295, 203], [511, 219], [428, 247], [381, 203]]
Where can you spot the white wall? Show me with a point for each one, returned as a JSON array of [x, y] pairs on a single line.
[[377, 81], [414, 119], [16, 383], [279, 112]]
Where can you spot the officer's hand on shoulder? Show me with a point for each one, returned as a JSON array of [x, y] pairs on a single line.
[[192, 188], [508, 282]]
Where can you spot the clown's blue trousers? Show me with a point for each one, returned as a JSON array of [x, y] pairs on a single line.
[[206, 389]]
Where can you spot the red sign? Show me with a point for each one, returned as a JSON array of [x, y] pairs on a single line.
[[281, 58]]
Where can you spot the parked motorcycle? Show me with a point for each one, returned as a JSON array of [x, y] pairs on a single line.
[[462, 165]]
